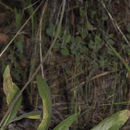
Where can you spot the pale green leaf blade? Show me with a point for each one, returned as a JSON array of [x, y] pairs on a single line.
[[65, 124], [30, 115], [33, 115], [65, 51], [13, 113], [45, 95], [90, 26], [115, 122], [10, 90]]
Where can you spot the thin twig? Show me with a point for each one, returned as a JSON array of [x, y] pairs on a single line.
[[101, 75]]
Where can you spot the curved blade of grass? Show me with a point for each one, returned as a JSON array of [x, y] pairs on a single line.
[[120, 58], [12, 114], [33, 115], [45, 95], [30, 115], [10, 90], [65, 124], [115, 122]]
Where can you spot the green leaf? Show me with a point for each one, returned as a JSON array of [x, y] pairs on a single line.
[[30, 115], [96, 45], [82, 12], [50, 30], [115, 122], [65, 51], [56, 46], [84, 33], [65, 124], [98, 40], [78, 40], [18, 17], [10, 90], [67, 38], [90, 26], [45, 95], [111, 41], [19, 44]]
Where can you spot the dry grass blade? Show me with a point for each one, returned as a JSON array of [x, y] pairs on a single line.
[[40, 37]]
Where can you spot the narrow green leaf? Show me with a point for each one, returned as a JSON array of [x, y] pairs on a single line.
[[115, 122], [51, 30], [10, 90], [30, 115], [90, 26], [13, 113], [65, 51], [67, 38], [65, 124], [33, 115], [45, 95]]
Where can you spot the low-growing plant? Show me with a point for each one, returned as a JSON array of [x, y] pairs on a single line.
[[115, 122], [10, 90]]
